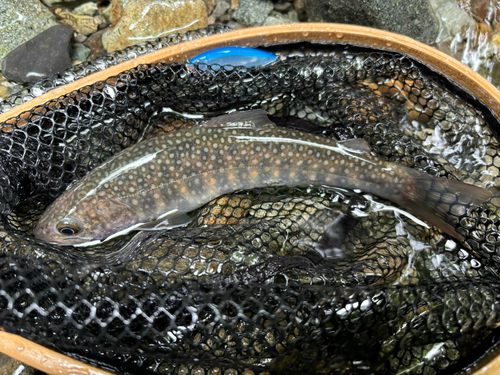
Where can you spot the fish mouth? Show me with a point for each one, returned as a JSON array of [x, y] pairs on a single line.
[[75, 241]]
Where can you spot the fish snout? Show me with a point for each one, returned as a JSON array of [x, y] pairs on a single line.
[[42, 232], [45, 231]]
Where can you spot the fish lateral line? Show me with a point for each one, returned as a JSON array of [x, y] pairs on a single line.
[[339, 148]]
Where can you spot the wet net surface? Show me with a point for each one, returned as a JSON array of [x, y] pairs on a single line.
[[277, 280]]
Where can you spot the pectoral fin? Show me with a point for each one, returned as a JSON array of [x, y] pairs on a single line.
[[169, 221], [357, 144]]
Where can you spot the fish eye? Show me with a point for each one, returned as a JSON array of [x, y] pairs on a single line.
[[69, 227]]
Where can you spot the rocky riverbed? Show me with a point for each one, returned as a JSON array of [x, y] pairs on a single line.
[[465, 29]]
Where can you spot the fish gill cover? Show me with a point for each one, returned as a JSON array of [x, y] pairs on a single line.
[[278, 280]]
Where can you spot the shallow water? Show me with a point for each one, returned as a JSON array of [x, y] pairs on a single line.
[[469, 34]]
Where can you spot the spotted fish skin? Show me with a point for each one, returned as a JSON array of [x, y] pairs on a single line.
[[177, 172]]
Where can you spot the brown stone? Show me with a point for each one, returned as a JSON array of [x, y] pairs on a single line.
[[82, 24], [210, 5], [94, 42], [4, 92], [235, 4], [135, 21], [298, 4], [80, 38]]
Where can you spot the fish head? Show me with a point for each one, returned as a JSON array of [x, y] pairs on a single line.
[[93, 218]]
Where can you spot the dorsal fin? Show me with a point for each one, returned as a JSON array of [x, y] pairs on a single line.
[[256, 118]]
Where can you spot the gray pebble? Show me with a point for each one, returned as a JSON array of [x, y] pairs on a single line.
[[253, 12], [79, 52], [80, 38], [293, 16], [20, 21], [235, 25], [276, 18], [413, 18], [87, 9], [220, 9], [42, 56]]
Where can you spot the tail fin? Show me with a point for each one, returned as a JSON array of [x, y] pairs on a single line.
[[441, 201]]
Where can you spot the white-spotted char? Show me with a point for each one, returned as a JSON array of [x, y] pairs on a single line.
[[153, 184]]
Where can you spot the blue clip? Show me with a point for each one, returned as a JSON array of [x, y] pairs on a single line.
[[235, 56]]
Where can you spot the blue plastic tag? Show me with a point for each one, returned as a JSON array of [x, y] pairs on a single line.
[[235, 56]]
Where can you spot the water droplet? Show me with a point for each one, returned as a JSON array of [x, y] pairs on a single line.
[[340, 36], [475, 263], [450, 245], [305, 34], [20, 348]]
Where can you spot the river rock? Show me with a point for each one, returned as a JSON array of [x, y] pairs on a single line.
[[220, 9], [87, 9], [135, 21], [94, 43], [282, 6], [235, 4], [46, 54], [20, 21], [10, 365], [58, 2], [277, 18], [253, 12], [82, 24], [413, 18], [79, 52], [210, 4]]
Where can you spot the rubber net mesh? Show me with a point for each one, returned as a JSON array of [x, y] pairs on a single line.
[[277, 280]]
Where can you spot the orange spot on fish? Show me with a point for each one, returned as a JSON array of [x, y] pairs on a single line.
[[276, 174], [212, 181], [292, 174], [267, 169], [255, 174], [231, 177]]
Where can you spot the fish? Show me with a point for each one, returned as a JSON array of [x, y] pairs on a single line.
[[235, 56], [154, 184]]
